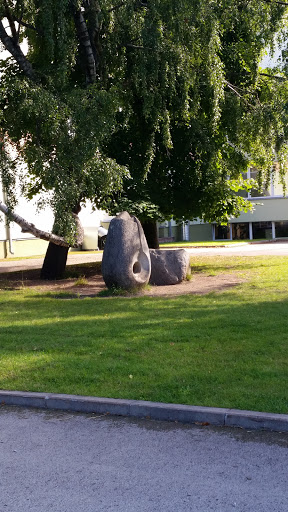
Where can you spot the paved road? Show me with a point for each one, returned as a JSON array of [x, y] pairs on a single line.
[[12, 265], [256, 249], [276, 249], [63, 462]]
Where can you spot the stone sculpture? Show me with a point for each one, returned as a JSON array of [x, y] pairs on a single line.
[[169, 266], [126, 260]]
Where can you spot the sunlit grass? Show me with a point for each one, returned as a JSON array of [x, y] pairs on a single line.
[[225, 349]]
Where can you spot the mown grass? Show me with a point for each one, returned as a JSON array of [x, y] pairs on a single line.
[[225, 349]]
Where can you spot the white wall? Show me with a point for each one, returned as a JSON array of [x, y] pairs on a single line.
[[28, 210], [90, 218], [2, 231], [2, 220]]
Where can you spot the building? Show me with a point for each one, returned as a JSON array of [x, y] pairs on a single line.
[[269, 220]]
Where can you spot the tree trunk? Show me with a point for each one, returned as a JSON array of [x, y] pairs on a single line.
[[151, 234], [28, 227], [56, 256], [55, 262], [15, 50]]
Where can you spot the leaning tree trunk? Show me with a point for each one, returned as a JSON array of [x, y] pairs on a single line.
[[54, 262], [56, 256], [151, 234]]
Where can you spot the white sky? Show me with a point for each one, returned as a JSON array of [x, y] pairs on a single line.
[[269, 61]]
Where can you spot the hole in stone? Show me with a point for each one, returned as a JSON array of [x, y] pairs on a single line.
[[136, 267]]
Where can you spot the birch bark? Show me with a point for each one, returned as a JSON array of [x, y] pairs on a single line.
[[28, 227]]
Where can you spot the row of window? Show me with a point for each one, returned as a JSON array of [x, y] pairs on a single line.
[[255, 230], [272, 189]]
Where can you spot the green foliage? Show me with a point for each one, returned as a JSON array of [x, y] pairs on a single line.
[[7, 175], [223, 118], [144, 210], [161, 97]]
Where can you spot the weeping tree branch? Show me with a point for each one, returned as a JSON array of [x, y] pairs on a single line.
[[233, 89], [28, 227], [15, 50], [275, 77], [117, 7], [136, 47]]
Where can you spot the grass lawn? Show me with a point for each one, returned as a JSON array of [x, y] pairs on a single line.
[[227, 349]]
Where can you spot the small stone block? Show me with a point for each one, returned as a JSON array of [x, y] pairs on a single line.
[[169, 266]]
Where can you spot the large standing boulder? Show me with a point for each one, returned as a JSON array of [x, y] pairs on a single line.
[[169, 266], [126, 259]]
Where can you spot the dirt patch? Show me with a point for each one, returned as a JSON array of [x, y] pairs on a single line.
[[200, 284], [87, 283]]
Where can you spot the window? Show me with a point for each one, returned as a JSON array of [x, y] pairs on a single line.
[[262, 230], [277, 185], [255, 192], [271, 189], [281, 229], [222, 233], [240, 231]]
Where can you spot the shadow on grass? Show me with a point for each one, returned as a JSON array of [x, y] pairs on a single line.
[[72, 271]]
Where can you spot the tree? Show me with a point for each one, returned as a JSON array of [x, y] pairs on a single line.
[[237, 117], [55, 113], [158, 94]]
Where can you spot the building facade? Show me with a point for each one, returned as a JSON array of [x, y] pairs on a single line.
[[268, 220]]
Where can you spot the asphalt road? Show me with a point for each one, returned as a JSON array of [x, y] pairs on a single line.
[[63, 462], [254, 249]]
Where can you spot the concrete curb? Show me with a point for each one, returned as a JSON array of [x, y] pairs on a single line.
[[152, 410]]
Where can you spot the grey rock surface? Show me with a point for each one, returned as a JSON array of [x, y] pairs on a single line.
[[126, 259], [169, 266]]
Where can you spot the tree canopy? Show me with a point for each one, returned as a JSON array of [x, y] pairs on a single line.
[[236, 117], [162, 97]]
